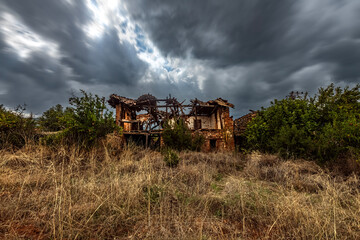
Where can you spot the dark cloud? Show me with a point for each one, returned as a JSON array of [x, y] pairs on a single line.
[[106, 60], [345, 55], [227, 32], [249, 52], [42, 79], [37, 82], [258, 50]]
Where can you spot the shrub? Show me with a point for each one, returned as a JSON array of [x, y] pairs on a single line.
[[284, 127], [171, 158], [88, 120], [176, 135], [15, 128], [53, 119], [323, 127], [198, 141]]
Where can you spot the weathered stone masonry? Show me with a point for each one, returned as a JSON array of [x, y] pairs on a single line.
[[142, 119]]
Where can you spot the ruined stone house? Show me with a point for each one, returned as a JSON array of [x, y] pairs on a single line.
[[142, 119], [240, 125]]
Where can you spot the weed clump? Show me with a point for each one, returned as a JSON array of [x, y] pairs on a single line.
[[171, 158]]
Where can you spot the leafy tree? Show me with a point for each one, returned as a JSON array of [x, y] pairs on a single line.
[[53, 119], [284, 127], [323, 127], [85, 122], [88, 119]]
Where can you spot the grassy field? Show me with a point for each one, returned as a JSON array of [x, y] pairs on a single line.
[[107, 193]]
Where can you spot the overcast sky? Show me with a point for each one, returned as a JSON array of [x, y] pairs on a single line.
[[246, 51]]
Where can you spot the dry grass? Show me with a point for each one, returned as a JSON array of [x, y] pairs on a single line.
[[130, 194]]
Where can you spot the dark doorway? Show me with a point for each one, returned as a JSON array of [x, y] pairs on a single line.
[[239, 142], [212, 144], [135, 139], [197, 124], [152, 141]]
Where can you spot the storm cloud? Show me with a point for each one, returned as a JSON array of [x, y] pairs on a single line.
[[51, 54], [248, 52]]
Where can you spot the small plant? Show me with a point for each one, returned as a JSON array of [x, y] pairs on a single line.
[[152, 193], [171, 158]]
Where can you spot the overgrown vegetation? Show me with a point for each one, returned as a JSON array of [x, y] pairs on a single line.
[[84, 123], [324, 127], [89, 119], [15, 128], [176, 135], [109, 191], [54, 119], [65, 193]]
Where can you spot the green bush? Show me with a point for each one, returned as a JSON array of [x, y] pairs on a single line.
[[87, 120], [177, 135], [323, 127], [53, 119], [171, 158], [198, 141], [15, 128]]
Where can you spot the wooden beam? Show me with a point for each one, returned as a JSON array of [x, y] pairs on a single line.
[[129, 121]]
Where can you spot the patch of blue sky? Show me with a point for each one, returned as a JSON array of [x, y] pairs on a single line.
[[137, 29], [94, 2], [139, 32], [168, 68], [141, 45], [123, 26]]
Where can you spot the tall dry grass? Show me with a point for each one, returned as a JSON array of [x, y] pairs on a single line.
[[108, 193]]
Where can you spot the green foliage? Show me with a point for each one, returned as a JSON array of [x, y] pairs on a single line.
[[323, 127], [176, 135], [88, 120], [198, 141], [152, 193], [54, 118], [15, 128], [171, 158]]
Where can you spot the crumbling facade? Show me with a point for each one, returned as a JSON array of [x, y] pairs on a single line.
[[240, 126], [142, 119], [241, 123]]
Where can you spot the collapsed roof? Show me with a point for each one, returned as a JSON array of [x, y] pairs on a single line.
[[149, 100], [116, 100]]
